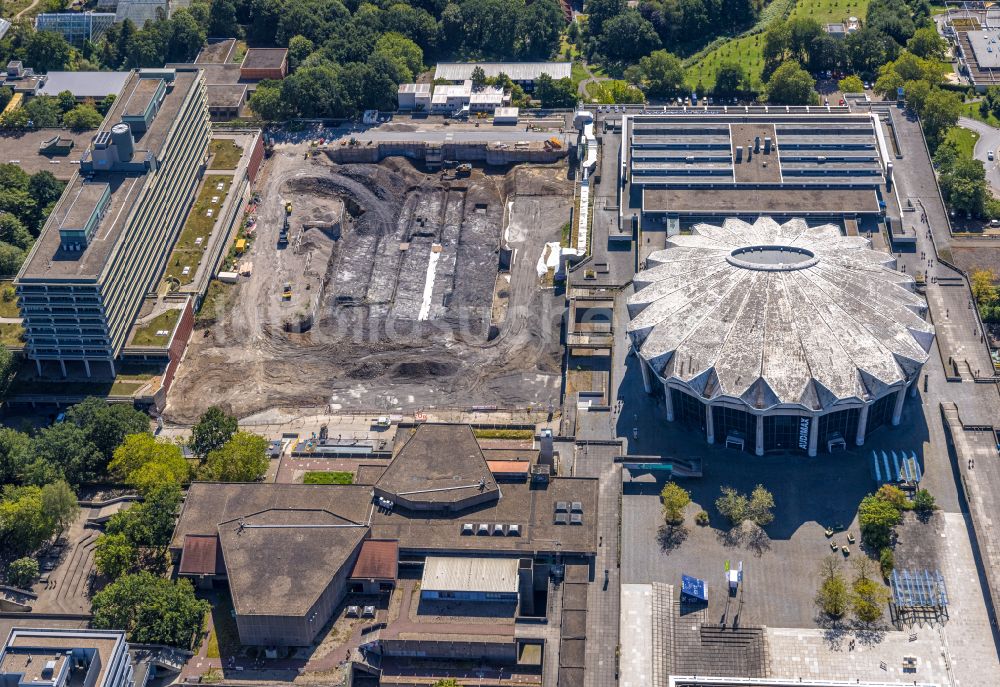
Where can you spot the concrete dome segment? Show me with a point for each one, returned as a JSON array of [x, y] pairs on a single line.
[[778, 314]]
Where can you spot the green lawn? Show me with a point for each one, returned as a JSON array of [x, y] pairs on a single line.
[[328, 478], [8, 300], [11, 334], [965, 139], [225, 637], [189, 250], [971, 110], [146, 335], [225, 154], [504, 434], [748, 50], [830, 11], [578, 73]]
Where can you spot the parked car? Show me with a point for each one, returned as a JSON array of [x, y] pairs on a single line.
[[989, 155]]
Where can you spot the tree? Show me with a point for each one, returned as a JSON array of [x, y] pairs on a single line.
[[43, 111], [241, 459], [66, 100], [627, 37], [268, 103], [790, 84], [67, 447], [151, 609], [447, 682], [46, 51], [939, 113], [213, 429], [187, 36], [963, 184], [23, 522], [927, 43], [222, 22], [82, 117], [538, 29], [833, 597], [851, 84], [923, 502], [408, 57], [478, 77], [11, 258], [144, 462], [867, 50], [877, 519], [733, 505], [114, 555], [600, 11], [149, 524], [299, 48], [982, 281], [13, 231], [45, 190], [662, 74], [894, 495], [731, 80], [555, 92], [22, 572], [107, 424], [675, 500], [868, 596], [60, 504], [14, 453], [760, 506]]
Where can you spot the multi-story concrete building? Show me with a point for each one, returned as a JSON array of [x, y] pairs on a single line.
[[108, 238], [63, 658]]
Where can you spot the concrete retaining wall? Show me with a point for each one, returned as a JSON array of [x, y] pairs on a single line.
[[490, 153]]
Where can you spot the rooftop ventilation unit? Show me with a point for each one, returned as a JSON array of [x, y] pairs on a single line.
[[467, 528], [576, 519], [577, 507], [498, 529], [561, 506], [513, 530], [483, 529], [562, 518]]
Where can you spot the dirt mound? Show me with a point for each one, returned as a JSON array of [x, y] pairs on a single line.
[[419, 369], [367, 370]]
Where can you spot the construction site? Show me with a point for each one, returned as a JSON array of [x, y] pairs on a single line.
[[385, 285]]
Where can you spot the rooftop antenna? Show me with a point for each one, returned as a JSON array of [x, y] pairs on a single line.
[[241, 527], [482, 484]]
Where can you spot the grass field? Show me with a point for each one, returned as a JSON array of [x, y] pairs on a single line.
[[328, 478], [146, 334], [189, 249], [748, 50], [964, 139], [971, 110], [225, 154], [8, 300], [504, 433], [11, 335]]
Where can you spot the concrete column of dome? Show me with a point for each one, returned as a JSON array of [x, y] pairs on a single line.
[[647, 382], [859, 440], [897, 412], [813, 436], [709, 425], [668, 401], [760, 435], [913, 386]]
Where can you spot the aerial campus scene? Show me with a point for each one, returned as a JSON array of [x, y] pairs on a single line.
[[550, 343]]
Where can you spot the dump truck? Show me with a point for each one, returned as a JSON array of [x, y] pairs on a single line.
[[288, 208], [464, 169], [555, 142], [286, 292]]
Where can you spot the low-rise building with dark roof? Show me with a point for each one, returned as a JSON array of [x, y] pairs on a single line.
[[291, 552]]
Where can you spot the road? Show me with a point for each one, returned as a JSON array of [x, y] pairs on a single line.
[[989, 139], [27, 9]]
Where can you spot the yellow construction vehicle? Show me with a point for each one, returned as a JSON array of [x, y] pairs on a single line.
[[555, 142], [288, 208]]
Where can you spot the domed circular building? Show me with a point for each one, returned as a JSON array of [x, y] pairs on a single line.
[[778, 337]]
